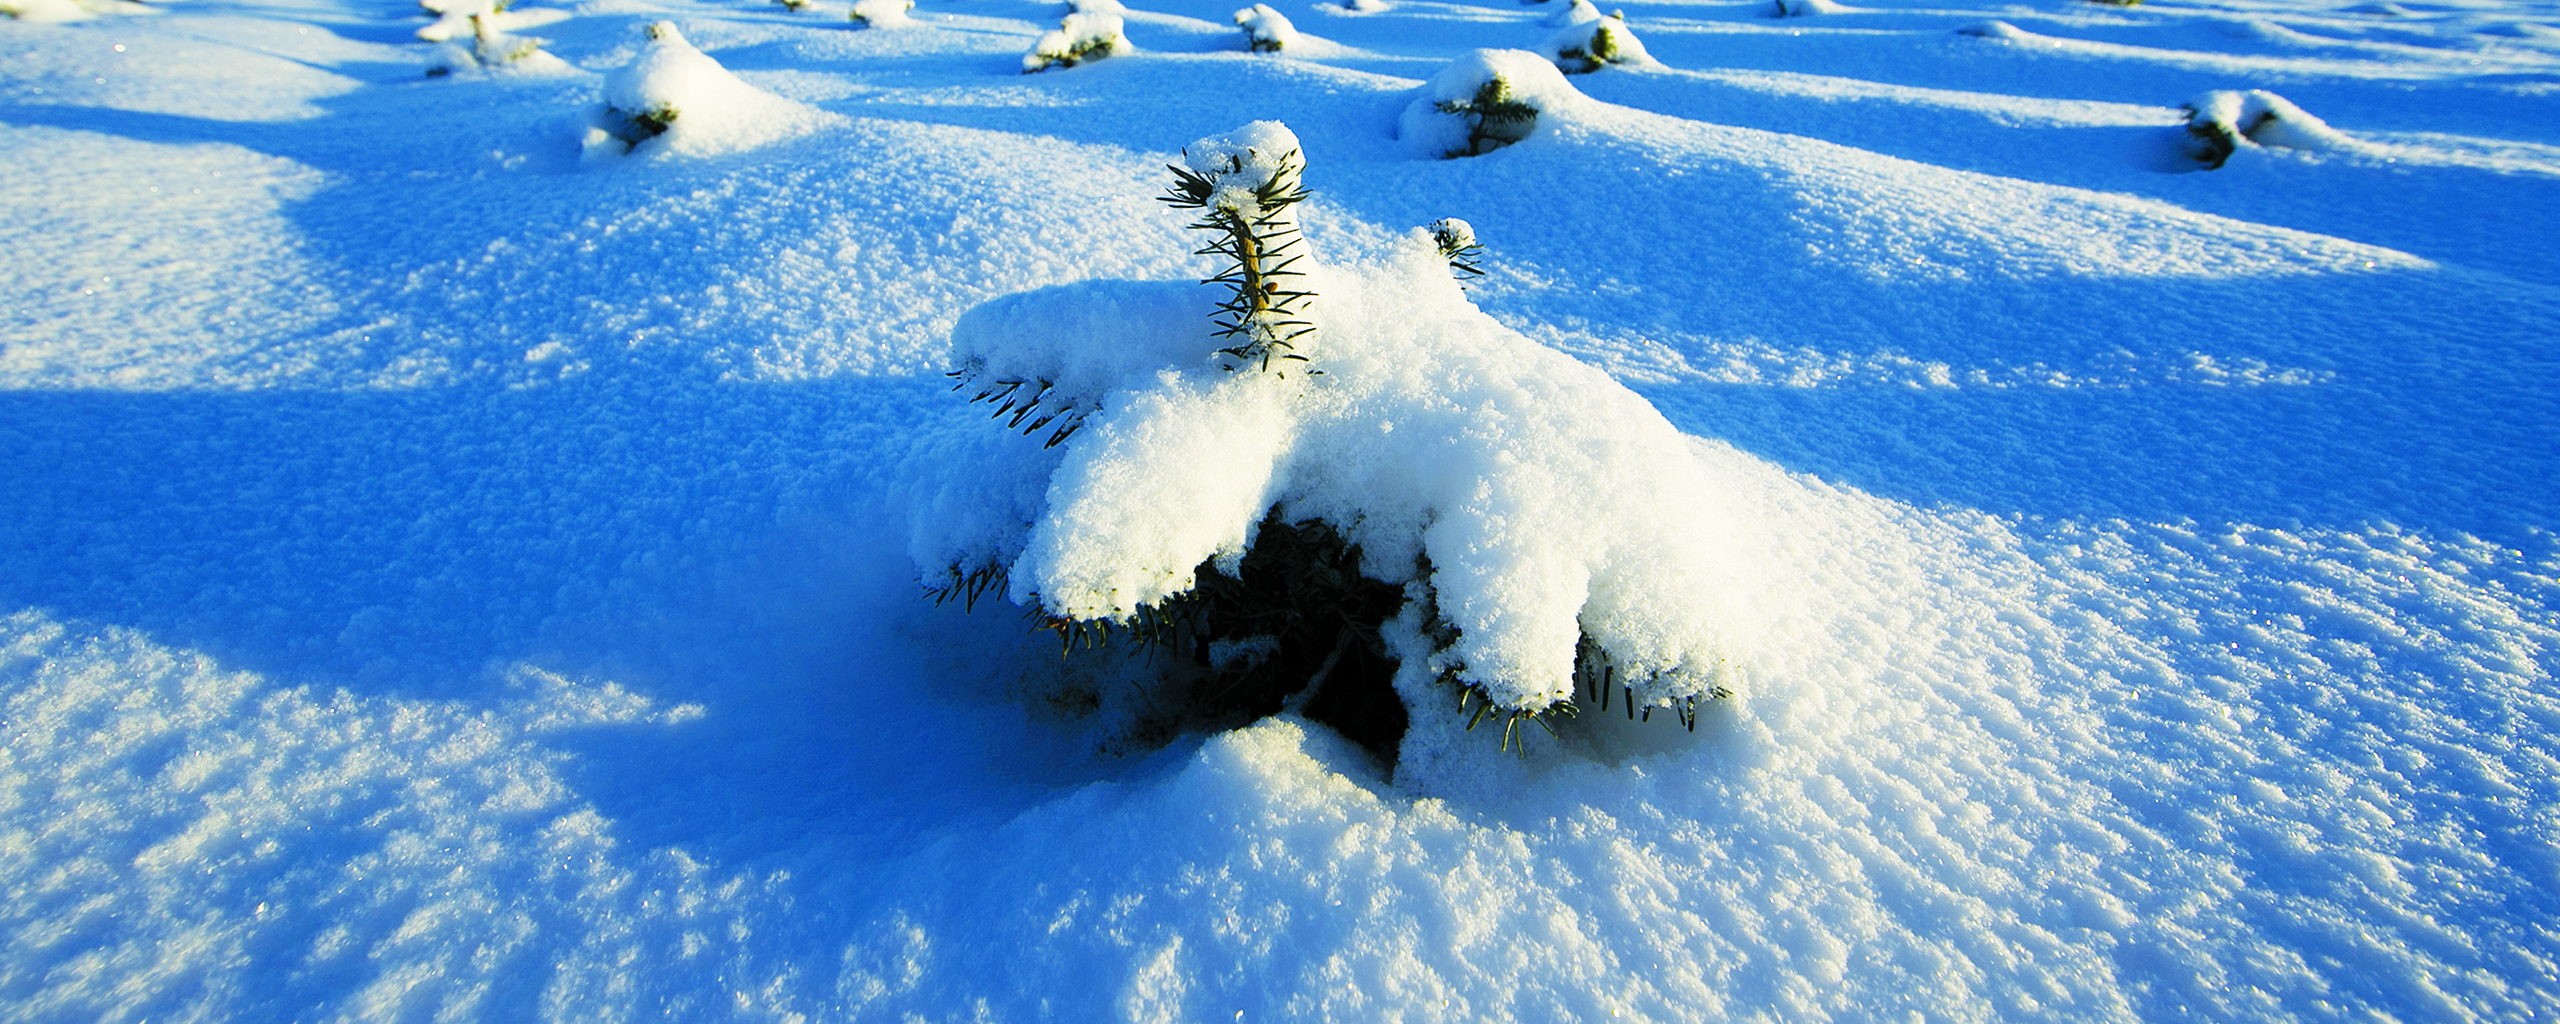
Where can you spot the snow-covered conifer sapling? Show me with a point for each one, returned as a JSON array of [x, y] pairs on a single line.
[[1266, 30], [1805, 8], [674, 98], [882, 13], [456, 19], [1602, 40], [493, 50], [1080, 37], [1450, 527], [2222, 122], [1482, 102]]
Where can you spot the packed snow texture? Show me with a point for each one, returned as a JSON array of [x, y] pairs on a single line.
[[444, 580]]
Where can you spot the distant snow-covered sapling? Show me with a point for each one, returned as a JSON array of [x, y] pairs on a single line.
[[492, 50], [882, 13], [1266, 30], [2219, 123], [1457, 241], [1080, 37], [1482, 102], [1803, 8], [1582, 47], [479, 18], [674, 98], [638, 101]]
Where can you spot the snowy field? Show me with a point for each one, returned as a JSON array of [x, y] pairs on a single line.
[[450, 572]]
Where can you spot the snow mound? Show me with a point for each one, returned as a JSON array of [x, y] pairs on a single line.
[[1483, 101], [1525, 500], [1995, 29], [675, 99], [2221, 122]]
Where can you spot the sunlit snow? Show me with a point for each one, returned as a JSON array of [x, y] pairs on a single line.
[[447, 575]]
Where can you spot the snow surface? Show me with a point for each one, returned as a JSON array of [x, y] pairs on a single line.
[[444, 579]]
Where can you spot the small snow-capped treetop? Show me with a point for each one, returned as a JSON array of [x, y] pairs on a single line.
[[1081, 36], [1808, 8], [1484, 101], [674, 98], [1245, 185], [2222, 121], [1584, 47], [883, 13], [1266, 30], [1993, 29], [1540, 517], [1457, 242], [1578, 12], [1365, 6]]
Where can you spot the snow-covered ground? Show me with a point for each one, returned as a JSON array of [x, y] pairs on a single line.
[[449, 570]]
